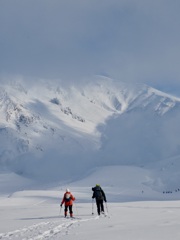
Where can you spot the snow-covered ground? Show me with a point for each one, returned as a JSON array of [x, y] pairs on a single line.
[[134, 211], [38, 218]]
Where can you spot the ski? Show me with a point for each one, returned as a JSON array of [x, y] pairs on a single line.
[[72, 218]]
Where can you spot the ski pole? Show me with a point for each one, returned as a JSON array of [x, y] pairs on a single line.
[[92, 206], [60, 211], [76, 209], [106, 207]]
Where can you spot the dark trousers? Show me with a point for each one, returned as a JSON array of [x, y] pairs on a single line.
[[100, 206], [70, 209]]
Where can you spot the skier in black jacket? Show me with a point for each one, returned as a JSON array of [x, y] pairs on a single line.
[[100, 196]]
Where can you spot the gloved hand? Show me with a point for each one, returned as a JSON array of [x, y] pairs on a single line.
[[61, 204]]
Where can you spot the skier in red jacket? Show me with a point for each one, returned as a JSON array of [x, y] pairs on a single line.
[[68, 202]]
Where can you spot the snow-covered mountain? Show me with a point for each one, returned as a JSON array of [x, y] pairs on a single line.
[[48, 130]]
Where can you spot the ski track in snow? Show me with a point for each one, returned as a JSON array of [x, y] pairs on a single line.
[[46, 230]]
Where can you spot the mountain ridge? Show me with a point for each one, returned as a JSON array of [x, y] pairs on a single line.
[[102, 122]]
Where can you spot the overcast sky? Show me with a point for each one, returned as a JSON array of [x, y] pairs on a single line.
[[130, 40]]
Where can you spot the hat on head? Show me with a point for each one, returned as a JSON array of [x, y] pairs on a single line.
[[67, 190]]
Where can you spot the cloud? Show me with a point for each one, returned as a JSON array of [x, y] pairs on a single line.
[[131, 40]]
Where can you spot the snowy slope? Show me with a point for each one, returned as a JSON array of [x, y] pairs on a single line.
[[135, 220], [36, 214]]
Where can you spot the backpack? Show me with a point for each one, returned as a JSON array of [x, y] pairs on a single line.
[[67, 197], [98, 193]]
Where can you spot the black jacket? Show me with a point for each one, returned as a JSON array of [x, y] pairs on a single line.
[[96, 194]]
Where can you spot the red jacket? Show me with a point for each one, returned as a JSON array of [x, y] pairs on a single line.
[[68, 199]]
